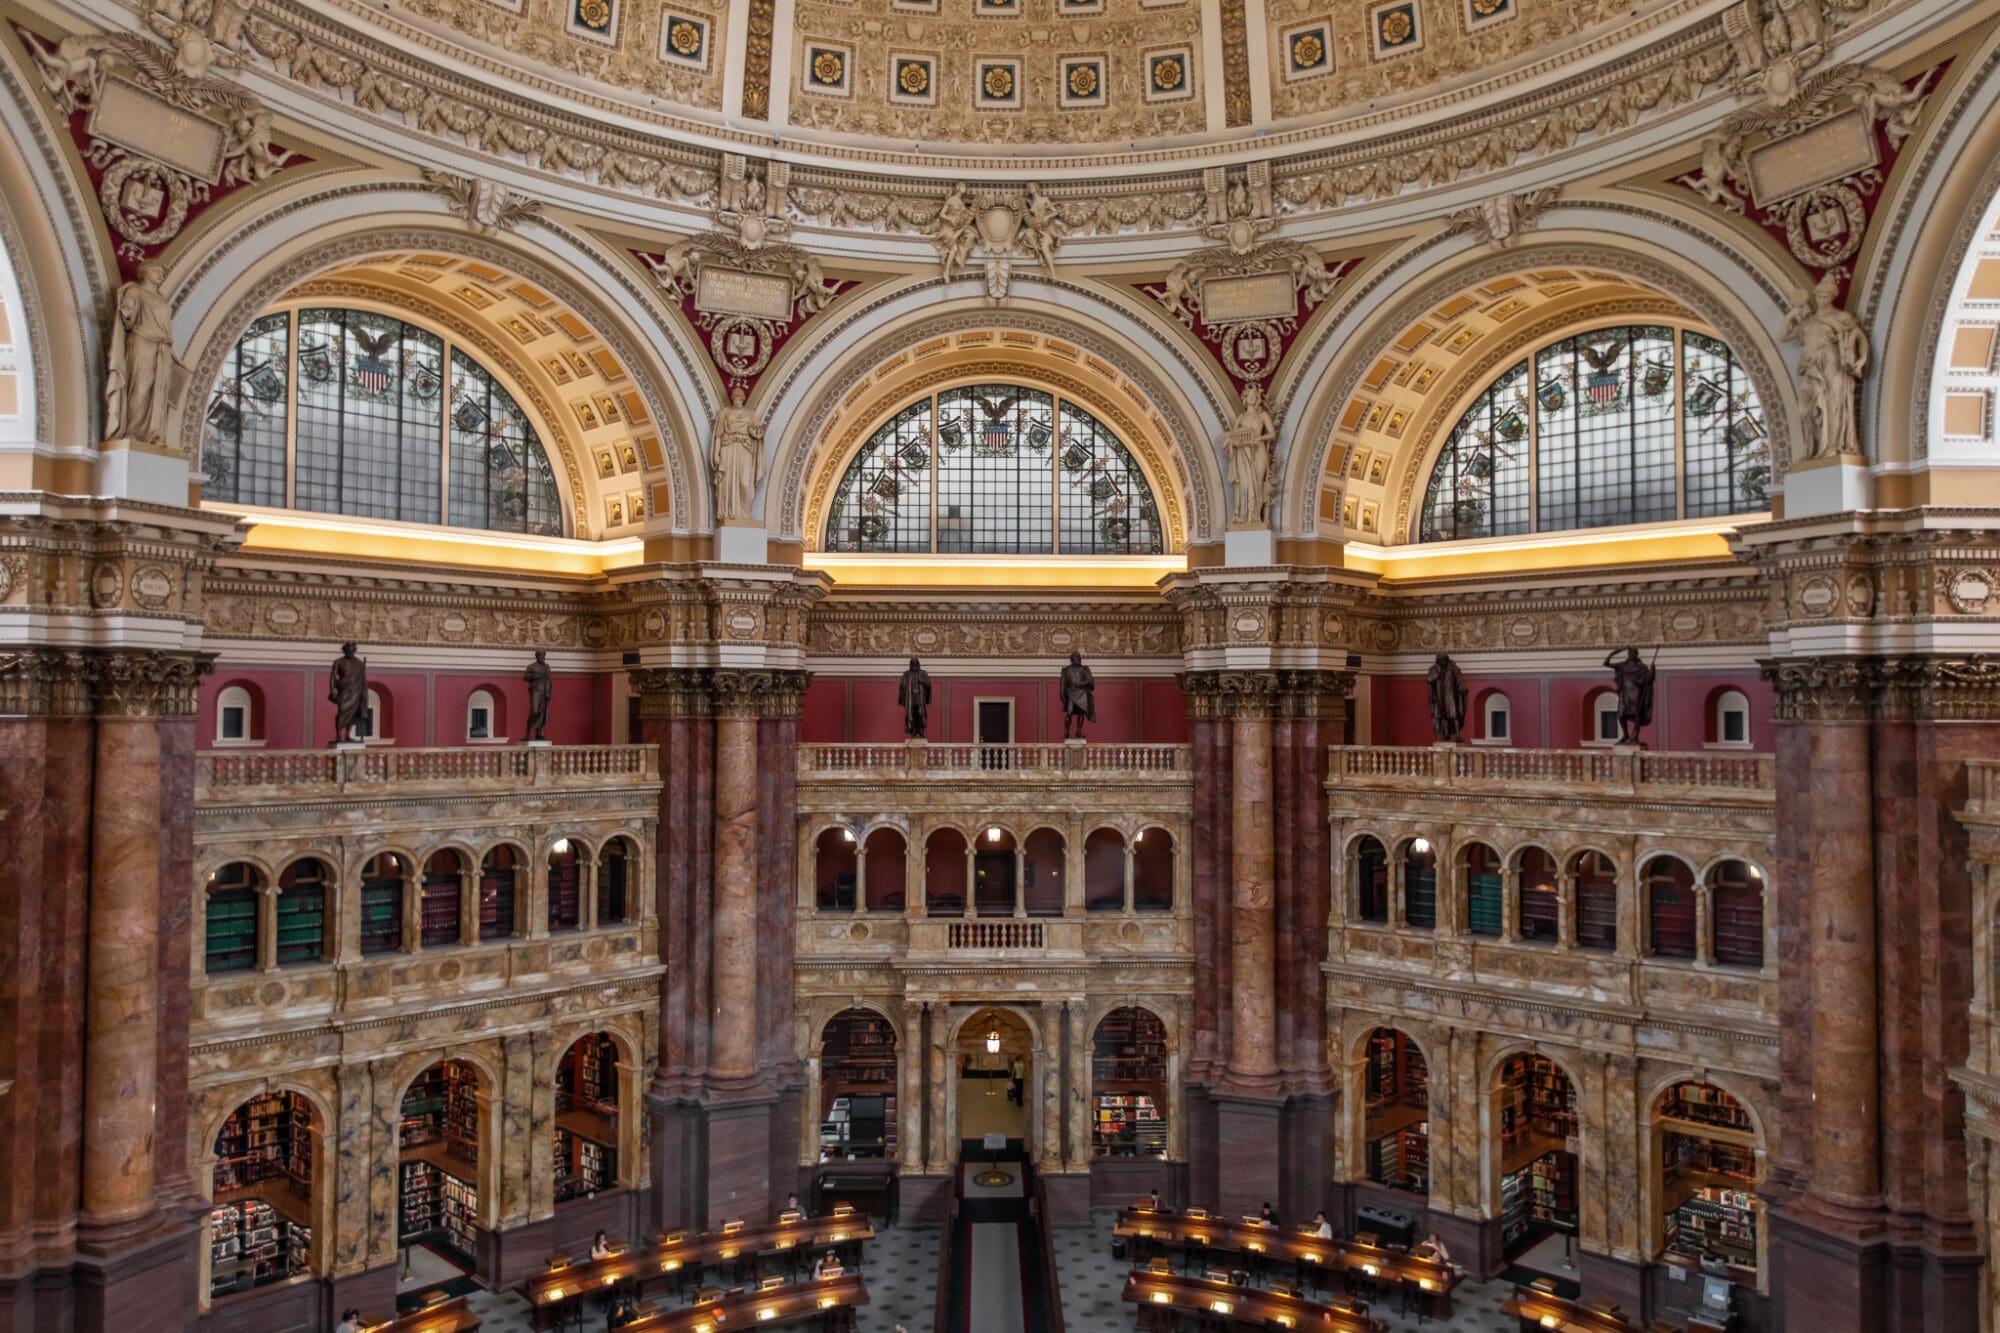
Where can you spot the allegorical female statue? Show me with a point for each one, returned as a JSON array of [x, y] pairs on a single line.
[[1247, 442], [736, 456], [139, 365]]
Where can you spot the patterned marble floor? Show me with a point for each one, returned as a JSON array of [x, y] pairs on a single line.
[[1093, 1282]]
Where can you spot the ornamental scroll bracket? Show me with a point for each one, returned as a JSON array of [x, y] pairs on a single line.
[[160, 132], [746, 300], [1247, 305], [1811, 168]]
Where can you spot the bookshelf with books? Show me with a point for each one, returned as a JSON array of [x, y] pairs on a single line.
[[382, 881], [1128, 1069], [230, 920], [259, 1225], [437, 1199], [1129, 1124], [1537, 1102], [565, 892], [301, 909], [1397, 1118], [1714, 1223], [438, 908], [857, 1055], [1705, 1106], [586, 1133], [251, 1243]]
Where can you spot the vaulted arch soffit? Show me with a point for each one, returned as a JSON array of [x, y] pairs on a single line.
[[1120, 363], [1444, 315], [543, 300]]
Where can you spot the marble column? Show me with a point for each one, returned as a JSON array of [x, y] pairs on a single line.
[[1049, 1155], [121, 1008], [733, 909], [910, 1083], [1078, 1096], [1253, 1043], [938, 1132]]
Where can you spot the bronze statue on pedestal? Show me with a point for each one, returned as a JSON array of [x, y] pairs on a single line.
[[1447, 688], [913, 692], [1079, 696], [1634, 680], [541, 686], [347, 691]]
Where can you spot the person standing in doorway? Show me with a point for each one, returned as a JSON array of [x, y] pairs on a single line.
[[1019, 1081]]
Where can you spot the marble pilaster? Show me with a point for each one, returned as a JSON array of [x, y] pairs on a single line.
[[732, 1007], [1253, 1051]]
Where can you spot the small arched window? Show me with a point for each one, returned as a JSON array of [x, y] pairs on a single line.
[[1731, 723], [230, 917], [1603, 719], [1420, 882], [1670, 907], [385, 420], [373, 725], [1371, 880], [1497, 719], [1634, 424], [994, 469], [235, 717], [482, 717], [302, 895]]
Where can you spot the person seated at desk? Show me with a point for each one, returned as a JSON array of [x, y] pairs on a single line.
[[600, 1248], [624, 1311], [1268, 1215], [1322, 1228], [1430, 1247], [827, 1266], [350, 1322], [1153, 1200], [792, 1205]]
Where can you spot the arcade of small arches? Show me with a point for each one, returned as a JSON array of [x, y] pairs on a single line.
[[991, 870]]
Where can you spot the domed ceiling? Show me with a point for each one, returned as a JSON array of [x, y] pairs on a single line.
[[1027, 76]]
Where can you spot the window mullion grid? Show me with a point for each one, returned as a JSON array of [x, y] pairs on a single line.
[[1055, 474], [444, 436], [291, 408], [937, 466], [1680, 425], [1534, 388]]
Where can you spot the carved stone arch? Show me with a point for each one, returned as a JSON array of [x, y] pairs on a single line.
[[1158, 382], [491, 1065], [53, 231], [1511, 856], [1644, 854], [1707, 868], [1928, 227], [223, 1099], [1396, 296], [1358, 1026], [631, 1046], [276, 250], [970, 1008], [1103, 1006], [450, 844], [214, 859], [1749, 1098], [825, 1010], [1567, 1059]]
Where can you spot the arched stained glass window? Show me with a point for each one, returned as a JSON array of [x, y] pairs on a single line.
[[994, 469], [351, 412], [1636, 424]]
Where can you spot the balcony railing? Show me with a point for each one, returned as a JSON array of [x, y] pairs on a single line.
[[240, 773], [1610, 770], [964, 759], [994, 934]]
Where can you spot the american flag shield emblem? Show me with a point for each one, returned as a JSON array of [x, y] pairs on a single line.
[[995, 435], [1604, 387], [372, 375]]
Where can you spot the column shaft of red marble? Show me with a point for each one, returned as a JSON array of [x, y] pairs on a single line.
[[1313, 879], [670, 882], [45, 777], [1283, 814], [1840, 923], [733, 904], [777, 846], [176, 816], [1209, 739], [1253, 1038], [122, 1008]]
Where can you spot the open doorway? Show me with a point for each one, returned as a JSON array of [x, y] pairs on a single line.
[[995, 1070]]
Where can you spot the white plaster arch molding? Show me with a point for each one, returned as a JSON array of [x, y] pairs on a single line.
[[804, 395], [1673, 252], [322, 226], [51, 230], [1916, 271]]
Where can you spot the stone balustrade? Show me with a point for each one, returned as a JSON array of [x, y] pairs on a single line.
[[229, 774], [1611, 771], [1035, 763]]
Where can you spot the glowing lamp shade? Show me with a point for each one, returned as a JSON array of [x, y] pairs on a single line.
[[993, 834], [993, 1041], [560, 846], [768, 1312], [828, 1302], [1550, 1321], [847, 835], [1220, 1307], [1420, 845], [1162, 1298]]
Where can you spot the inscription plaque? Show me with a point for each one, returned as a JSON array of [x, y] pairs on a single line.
[[1259, 296], [735, 291], [150, 127], [1825, 153]]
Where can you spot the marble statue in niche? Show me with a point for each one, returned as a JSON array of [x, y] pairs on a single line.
[[541, 686], [139, 368], [347, 691], [1833, 356], [1078, 687], [1448, 694], [914, 694], [735, 456], [1248, 445]]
